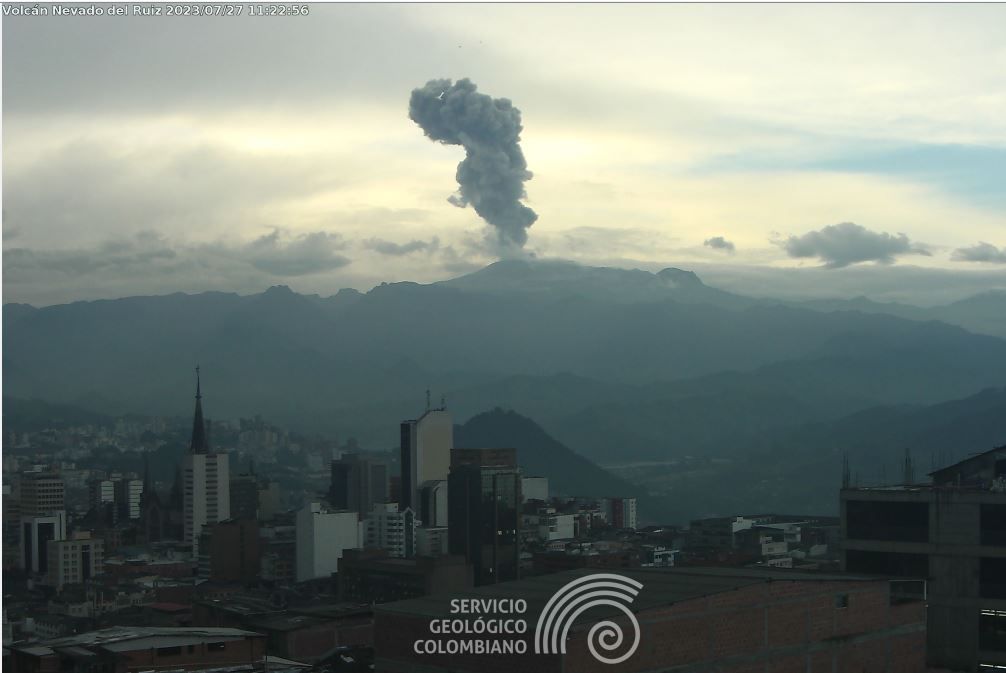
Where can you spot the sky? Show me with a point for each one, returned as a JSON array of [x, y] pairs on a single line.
[[788, 150]]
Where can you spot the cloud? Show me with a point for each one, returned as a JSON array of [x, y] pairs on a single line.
[[399, 249], [719, 243], [300, 255], [149, 254], [983, 252], [839, 245]]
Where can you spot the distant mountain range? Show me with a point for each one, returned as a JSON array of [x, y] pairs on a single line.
[[619, 365]]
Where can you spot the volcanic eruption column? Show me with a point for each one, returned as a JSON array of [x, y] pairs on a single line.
[[491, 177]]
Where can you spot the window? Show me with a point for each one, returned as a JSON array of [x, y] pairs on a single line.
[[216, 647], [168, 651], [841, 601], [992, 631]]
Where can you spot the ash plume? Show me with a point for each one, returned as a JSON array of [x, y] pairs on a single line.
[[491, 177]]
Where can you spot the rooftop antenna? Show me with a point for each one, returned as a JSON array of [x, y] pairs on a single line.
[[443, 402], [846, 477], [909, 475], [427, 399]]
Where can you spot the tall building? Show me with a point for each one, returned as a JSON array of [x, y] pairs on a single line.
[[392, 529], [207, 480], [117, 498], [359, 482], [322, 536], [426, 445], [433, 503], [42, 493], [128, 494], [36, 532], [75, 560], [484, 512], [953, 532]]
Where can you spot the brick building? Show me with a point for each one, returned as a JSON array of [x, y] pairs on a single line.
[[691, 619]]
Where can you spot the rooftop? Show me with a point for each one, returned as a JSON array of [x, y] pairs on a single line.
[[661, 587], [123, 634]]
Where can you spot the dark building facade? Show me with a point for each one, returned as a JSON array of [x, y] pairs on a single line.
[[484, 512], [951, 532], [244, 497], [234, 551], [358, 482]]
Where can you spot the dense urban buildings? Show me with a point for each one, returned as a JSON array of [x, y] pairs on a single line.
[[951, 532], [311, 552]]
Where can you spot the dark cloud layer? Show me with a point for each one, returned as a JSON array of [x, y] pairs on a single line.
[[839, 245], [982, 252], [276, 254], [719, 243], [400, 249], [491, 177], [298, 256]]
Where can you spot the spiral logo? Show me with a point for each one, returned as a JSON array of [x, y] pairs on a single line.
[[577, 597]]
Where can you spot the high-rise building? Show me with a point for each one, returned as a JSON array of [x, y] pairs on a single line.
[[116, 498], [322, 536], [207, 480], [128, 494], [36, 532], [392, 529], [951, 532], [75, 560], [433, 503], [42, 493], [484, 512], [426, 445], [359, 482]]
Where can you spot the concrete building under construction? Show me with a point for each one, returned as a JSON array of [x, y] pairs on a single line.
[[952, 533]]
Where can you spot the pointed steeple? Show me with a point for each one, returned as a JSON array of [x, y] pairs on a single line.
[[199, 444]]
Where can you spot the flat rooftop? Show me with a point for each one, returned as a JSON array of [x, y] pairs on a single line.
[[661, 587]]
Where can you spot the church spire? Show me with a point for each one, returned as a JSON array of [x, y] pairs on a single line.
[[199, 440]]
